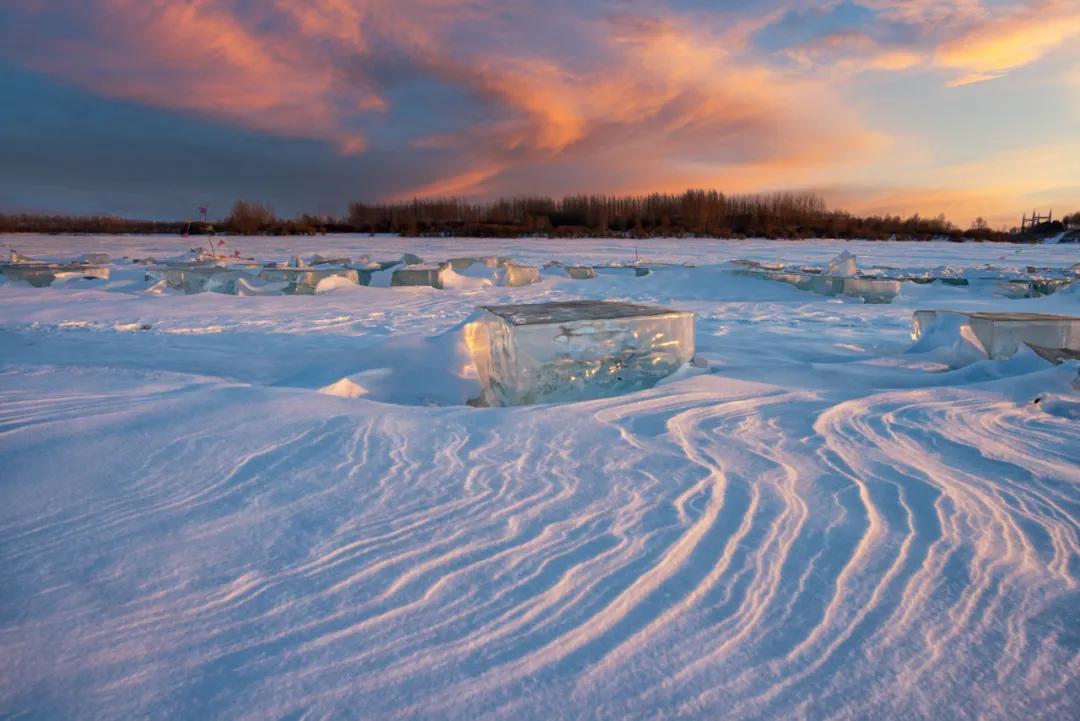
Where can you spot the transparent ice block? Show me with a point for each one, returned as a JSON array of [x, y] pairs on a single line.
[[419, 274], [1001, 334], [872, 290], [513, 275], [576, 350]]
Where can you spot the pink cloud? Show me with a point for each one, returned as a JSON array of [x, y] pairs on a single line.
[[1010, 39]]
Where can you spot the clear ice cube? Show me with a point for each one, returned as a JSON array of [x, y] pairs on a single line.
[[576, 350]]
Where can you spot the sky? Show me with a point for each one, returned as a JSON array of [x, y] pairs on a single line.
[[148, 108]]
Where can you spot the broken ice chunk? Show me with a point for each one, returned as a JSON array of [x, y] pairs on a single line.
[[872, 290], [580, 272], [576, 350], [513, 275], [40, 273]]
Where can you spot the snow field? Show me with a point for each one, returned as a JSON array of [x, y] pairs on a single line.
[[826, 523]]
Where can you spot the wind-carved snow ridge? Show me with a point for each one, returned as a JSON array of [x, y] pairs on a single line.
[[822, 526]]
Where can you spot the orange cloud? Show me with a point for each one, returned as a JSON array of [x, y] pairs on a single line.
[[200, 57]]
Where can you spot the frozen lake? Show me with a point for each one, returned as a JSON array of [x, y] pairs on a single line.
[[821, 524]]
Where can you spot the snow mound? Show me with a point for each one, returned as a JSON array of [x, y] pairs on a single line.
[[332, 283], [344, 388]]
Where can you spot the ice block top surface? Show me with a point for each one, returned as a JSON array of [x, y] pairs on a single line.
[[567, 311], [1014, 317], [1022, 316]]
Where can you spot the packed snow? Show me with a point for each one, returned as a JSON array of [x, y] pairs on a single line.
[[283, 506]]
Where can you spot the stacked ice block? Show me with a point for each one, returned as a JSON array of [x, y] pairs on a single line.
[[576, 350]]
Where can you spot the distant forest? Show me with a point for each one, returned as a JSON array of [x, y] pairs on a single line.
[[695, 213]]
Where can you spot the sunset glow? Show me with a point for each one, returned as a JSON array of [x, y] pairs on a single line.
[[143, 107]]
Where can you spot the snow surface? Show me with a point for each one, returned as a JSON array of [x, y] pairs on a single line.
[[260, 507]]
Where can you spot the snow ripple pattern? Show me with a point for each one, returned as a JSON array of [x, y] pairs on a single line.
[[726, 547]]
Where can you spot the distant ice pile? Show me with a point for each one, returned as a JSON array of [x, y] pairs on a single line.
[[575, 350]]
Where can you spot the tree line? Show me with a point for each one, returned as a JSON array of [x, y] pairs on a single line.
[[694, 213]]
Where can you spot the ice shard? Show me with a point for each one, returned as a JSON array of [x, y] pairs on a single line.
[[575, 350], [842, 266]]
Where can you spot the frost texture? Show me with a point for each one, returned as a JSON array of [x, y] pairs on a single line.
[[579, 350]]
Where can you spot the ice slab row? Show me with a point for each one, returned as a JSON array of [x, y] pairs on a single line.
[[1001, 334], [40, 274], [575, 350], [192, 280], [304, 281], [498, 271]]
